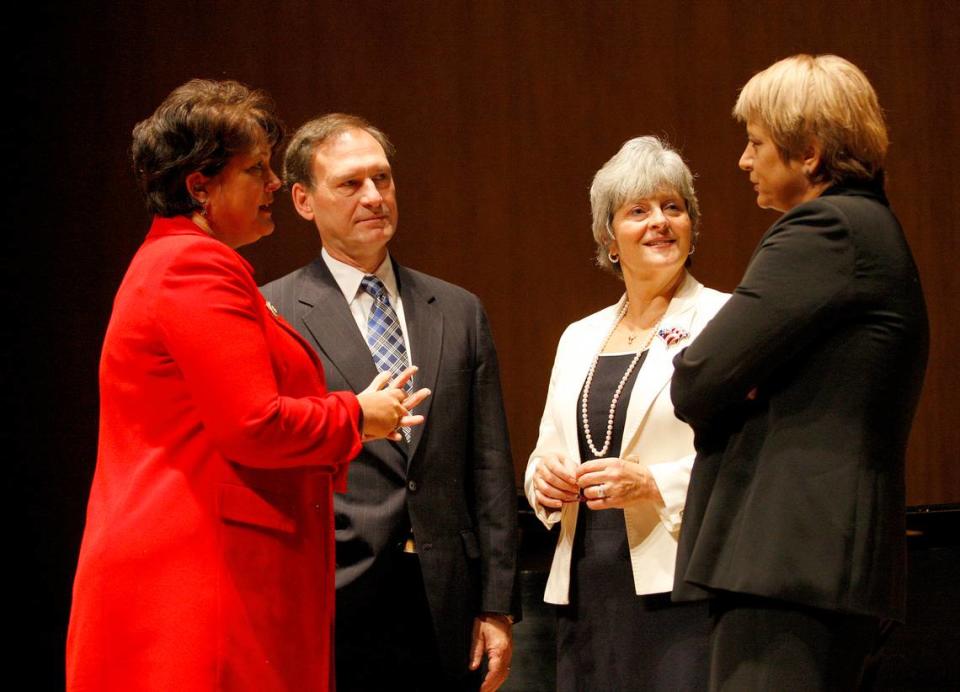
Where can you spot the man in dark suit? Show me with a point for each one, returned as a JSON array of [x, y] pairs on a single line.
[[801, 392], [426, 533]]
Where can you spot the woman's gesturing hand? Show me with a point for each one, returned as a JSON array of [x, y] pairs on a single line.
[[386, 407], [615, 483], [555, 482]]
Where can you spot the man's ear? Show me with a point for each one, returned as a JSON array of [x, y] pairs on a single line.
[[196, 183], [301, 201]]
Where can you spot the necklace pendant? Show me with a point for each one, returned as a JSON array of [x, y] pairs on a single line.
[[630, 339]]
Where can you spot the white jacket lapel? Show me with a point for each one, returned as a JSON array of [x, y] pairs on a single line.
[[658, 367]]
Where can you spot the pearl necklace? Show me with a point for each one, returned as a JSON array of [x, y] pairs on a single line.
[[616, 395]]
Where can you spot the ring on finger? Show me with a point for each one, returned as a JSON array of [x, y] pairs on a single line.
[[600, 492]]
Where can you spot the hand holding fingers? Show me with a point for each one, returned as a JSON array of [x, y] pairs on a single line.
[[553, 483], [404, 377], [554, 469], [600, 482], [377, 383], [598, 471], [551, 497], [382, 409], [413, 400], [609, 483], [409, 421], [406, 421], [601, 496]]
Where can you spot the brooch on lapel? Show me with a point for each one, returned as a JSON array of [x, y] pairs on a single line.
[[272, 309], [673, 335]]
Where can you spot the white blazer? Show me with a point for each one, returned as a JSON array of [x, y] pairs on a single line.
[[652, 435]]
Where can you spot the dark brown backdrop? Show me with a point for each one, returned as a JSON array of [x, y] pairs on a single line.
[[501, 113]]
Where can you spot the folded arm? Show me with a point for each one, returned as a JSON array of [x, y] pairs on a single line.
[[787, 297]]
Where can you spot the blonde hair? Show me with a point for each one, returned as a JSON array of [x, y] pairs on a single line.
[[641, 167], [825, 98]]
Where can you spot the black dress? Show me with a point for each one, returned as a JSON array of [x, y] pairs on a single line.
[[608, 637]]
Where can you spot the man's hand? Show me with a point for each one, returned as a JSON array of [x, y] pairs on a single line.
[[493, 636]]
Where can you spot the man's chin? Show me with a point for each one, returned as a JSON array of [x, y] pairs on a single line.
[[377, 231]]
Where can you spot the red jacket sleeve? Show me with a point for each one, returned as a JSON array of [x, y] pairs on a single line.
[[259, 394]]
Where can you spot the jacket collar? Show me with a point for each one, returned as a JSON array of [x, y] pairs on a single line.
[[167, 226], [860, 188]]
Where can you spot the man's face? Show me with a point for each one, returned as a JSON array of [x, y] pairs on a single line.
[[353, 201]]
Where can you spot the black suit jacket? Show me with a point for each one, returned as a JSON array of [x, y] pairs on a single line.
[[453, 483], [798, 493]]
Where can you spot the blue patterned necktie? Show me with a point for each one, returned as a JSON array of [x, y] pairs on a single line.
[[384, 336]]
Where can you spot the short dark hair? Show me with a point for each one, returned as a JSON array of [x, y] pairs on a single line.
[[298, 159], [200, 126]]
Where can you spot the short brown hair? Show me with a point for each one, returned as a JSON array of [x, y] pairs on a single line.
[[200, 126], [298, 159], [823, 97]]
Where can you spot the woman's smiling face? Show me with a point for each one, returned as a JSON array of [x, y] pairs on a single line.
[[652, 234]]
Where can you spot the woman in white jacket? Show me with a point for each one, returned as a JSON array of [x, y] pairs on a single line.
[[610, 444]]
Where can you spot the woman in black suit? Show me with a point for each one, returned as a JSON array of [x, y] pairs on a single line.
[[801, 392]]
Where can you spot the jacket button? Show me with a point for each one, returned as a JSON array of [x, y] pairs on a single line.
[[412, 486]]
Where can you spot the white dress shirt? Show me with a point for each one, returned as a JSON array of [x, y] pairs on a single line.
[[348, 278]]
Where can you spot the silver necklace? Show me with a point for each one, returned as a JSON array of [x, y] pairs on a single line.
[[616, 395]]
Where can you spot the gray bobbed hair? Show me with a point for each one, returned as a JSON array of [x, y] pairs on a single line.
[[643, 166]]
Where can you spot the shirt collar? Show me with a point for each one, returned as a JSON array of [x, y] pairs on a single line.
[[348, 278]]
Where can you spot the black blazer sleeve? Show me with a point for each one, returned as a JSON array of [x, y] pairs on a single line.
[[801, 392], [493, 482], [791, 292]]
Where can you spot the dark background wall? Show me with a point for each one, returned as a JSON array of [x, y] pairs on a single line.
[[501, 113]]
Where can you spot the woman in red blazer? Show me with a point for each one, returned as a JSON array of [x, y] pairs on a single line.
[[207, 559]]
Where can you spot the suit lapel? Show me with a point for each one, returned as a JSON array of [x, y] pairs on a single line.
[[327, 319], [425, 330]]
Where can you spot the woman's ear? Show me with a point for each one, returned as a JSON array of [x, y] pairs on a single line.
[[196, 184], [811, 157]]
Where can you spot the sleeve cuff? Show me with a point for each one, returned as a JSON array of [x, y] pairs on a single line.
[[672, 480]]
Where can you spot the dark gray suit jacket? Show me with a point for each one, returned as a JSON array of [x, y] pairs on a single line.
[[454, 482], [798, 494]]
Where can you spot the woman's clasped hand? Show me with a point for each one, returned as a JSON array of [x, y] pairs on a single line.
[[601, 484]]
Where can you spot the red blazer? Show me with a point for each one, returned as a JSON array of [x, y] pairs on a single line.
[[207, 560]]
